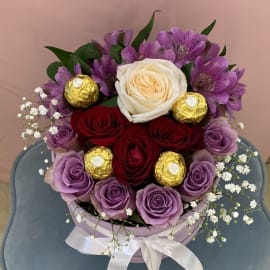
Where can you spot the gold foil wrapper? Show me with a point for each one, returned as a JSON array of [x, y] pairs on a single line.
[[98, 162], [170, 169], [81, 91], [191, 108]]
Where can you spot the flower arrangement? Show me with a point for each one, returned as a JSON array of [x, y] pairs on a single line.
[[141, 141]]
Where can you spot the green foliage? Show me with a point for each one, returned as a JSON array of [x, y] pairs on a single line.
[[69, 59], [112, 102], [224, 51], [52, 69], [121, 38], [209, 28], [232, 66], [88, 51], [144, 33], [115, 52], [135, 218], [187, 70]]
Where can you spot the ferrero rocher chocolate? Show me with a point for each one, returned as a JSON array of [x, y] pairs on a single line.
[[170, 169], [191, 108], [98, 162], [81, 91]]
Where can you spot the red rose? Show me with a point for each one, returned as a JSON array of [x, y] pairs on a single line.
[[99, 125], [174, 136], [134, 156]]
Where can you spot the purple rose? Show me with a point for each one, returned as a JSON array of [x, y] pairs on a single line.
[[65, 138], [68, 177], [112, 198], [219, 138], [159, 206], [200, 177]]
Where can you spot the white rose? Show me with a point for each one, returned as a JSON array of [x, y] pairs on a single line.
[[148, 88]]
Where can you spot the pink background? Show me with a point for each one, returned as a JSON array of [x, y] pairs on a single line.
[[26, 26]]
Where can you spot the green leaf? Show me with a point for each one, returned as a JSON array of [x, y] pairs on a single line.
[[187, 70], [62, 55], [224, 51], [115, 52], [208, 29], [52, 69], [232, 66], [144, 33], [121, 38], [88, 51], [69, 59], [137, 219], [112, 102], [83, 64], [65, 57]]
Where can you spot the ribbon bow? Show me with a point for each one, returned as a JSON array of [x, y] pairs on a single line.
[[152, 249]]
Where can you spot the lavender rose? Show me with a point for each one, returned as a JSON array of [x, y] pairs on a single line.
[[159, 206], [65, 138], [113, 199], [68, 177], [200, 177], [219, 138]]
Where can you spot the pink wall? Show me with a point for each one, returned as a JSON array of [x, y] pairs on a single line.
[[26, 26]]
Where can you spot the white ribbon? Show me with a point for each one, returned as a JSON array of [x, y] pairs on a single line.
[[152, 248]]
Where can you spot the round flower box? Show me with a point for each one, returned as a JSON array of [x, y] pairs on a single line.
[[184, 235]]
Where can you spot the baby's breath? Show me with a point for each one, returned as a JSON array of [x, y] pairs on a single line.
[[232, 170], [32, 112]]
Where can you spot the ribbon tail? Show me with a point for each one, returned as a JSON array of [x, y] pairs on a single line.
[[178, 252], [83, 243], [151, 257], [121, 260]]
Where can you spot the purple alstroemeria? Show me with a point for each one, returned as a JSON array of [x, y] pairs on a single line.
[[211, 51], [59, 105], [55, 89], [104, 73], [147, 50], [122, 37], [187, 46], [213, 80], [129, 55], [235, 94]]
